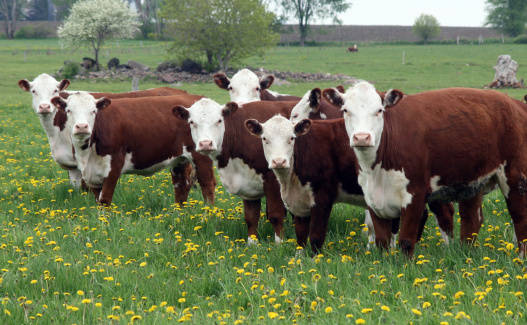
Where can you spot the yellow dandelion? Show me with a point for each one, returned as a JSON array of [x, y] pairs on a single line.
[[86, 301], [385, 308], [360, 321], [366, 310], [272, 315], [416, 311], [328, 310]]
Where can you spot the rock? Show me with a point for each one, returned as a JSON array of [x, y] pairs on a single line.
[[167, 78], [163, 66], [137, 65]]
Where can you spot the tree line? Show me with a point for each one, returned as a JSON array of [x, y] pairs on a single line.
[[217, 33]]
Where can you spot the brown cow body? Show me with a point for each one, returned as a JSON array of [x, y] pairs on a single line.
[[444, 145], [135, 136]]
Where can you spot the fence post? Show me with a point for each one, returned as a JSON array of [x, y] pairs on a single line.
[[404, 52], [135, 83]]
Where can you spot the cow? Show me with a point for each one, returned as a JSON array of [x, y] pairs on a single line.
[[443, 145], [314, 177], [353, 48], [133, 136], [246, 87], [312, 106], [218, 132], [43, 88]]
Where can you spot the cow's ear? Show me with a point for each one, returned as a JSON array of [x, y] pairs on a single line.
[[525, 98], [302, 127], [59, 103], [266, 82], [64, 83], [229, 109], [221, 80], [392, 97], [381, 94], [180, 112], [103, 102], [24, 84], [340, 89], [333, 96], [315, 97], [254, 127]]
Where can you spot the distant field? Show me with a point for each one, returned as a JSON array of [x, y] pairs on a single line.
[[63, 260]]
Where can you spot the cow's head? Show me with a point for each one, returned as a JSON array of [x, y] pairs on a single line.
[[43, 88], [81, 109], [245, 86], [206, 119], [363, 109], [278, 136], [308, 106]]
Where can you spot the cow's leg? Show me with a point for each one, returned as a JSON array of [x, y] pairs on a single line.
[[517, 205], [75, 177], [410, 223], [369, 226], [396, 224], [275, 208], [96, 192], [110, 182], [383, 230], [206, 178], [251, 211], [470, 213], [302, 230], [320, 213], [444, 213], [181, 181]]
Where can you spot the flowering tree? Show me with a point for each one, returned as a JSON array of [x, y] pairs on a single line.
[[92, 22]]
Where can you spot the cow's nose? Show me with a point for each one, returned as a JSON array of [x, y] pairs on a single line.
[[362, 139], [44, 108], [81, 128], [205, 144], [278, 163]]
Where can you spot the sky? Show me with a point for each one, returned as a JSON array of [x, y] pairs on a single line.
[[469, 13]]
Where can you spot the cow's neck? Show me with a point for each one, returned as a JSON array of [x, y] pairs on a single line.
[[59, 140]]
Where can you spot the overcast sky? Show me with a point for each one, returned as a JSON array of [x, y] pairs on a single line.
[[404, 12]]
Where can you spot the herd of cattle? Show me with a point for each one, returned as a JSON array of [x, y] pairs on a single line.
[[391, 153]]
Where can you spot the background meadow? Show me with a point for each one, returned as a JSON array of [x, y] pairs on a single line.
[[63, 259]]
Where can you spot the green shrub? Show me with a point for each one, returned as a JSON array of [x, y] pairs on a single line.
[[33, 32], [522, 39], [70, 70]]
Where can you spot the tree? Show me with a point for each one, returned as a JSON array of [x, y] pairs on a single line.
[[11, 11], [426, 27], [507, 16], [220, 30], [92, 22], [306, 11]]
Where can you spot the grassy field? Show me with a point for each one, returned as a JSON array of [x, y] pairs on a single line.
[[65, 260]]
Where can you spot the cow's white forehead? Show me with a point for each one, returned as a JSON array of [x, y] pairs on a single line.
[[362, 95], [81, 100], [44, 81], [303, 105], [205, 109], [245, 77], [277, 126]]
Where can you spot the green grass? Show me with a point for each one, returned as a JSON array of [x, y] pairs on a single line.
[[65, 260]]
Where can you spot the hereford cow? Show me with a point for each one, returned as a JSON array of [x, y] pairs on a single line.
[[218, 132], [314, 177], [133, 136], [45, 87], [246, 87], [443, 145]]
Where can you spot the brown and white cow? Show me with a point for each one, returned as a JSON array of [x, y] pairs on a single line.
[[246, 87], [43, 88], [133, 136], [443, 145], [218, 132], [316, 169]]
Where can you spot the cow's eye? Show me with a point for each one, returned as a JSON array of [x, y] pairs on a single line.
[[292, 138], [379, 112], [191, 122], [68, 111], [219, 121], [295, 115], [344, 110], [56, 90], [257, 88], [230, 88], [263, 138], [34, 92], [94, 112]]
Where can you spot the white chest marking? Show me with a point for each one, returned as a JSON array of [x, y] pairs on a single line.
[[59, 142], [94, 168], [241, 180], [385, 191], [297, 198]]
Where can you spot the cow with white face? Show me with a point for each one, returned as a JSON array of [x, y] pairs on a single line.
[[313, 106], [218, 132], [246, 87], [435, 146], [313, 178], [133, 136], [42, 89]]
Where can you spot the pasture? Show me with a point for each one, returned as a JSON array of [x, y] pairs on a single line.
[[65, 260]]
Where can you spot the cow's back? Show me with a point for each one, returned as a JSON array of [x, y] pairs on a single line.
[[435, 130], [162, 91], [143, 125]]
